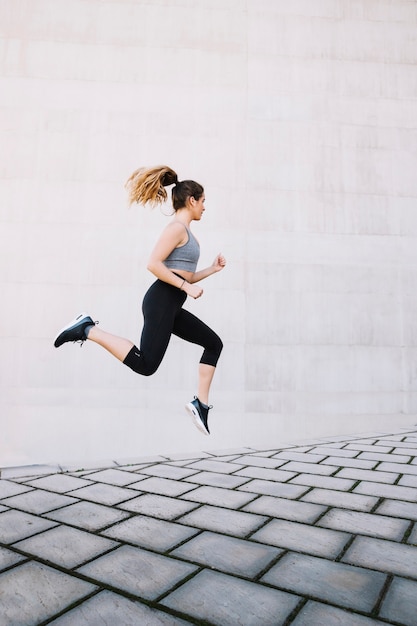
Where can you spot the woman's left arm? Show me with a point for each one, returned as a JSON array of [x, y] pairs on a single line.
[[218, 264]]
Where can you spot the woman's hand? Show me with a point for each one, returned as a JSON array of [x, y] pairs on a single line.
[[192, 290], [219, 263]]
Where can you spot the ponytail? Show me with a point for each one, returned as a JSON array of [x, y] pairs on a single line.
[[147, 184]]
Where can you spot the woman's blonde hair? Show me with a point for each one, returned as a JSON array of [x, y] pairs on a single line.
[[147, 185]]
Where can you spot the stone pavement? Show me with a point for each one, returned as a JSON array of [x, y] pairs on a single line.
[[323, 533]]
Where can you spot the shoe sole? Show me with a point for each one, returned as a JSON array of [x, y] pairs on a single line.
[[69, 326], [192, 411]]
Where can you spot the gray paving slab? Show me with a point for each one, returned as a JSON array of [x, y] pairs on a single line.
[[359, 523], [387, 478], [317, 614], [213, 465], [168, 471], [343, 585], [348, 462], [385, 556], [165, 486], [309, 468], [108, 608], [375, 456], [269, 488], [9, 558], [51, 591], [9, 488], [219, 497], [149, 532], [227, 554], [139, 572], [65, 546], [302, 537], [159, 506], [341, 499], [412, 539], [229, 522], [104, 494], [266, 474], [286, 509], [88, 515], [335, 451], [400, 603], [226, 601], [116, 477], [399, 468], [214, 479], [396, 508], [259, 461], [303, 457], [408, 481], [394, 492], [39, 501], [327, 482], [58, 483], [16, 525]]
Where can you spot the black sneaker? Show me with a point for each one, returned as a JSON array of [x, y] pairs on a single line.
[[75, 330], [199, 414]]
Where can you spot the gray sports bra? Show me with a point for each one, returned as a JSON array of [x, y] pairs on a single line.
[[185, 257]]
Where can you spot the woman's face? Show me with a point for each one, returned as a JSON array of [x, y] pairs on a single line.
[[198, 207]]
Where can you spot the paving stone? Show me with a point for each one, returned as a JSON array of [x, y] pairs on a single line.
[[9, 558], [51, 591], [138, 572], [25, 472], [365, 524], [315, 614], [328, 482], [105, 494], [213, 479], [219, 497], [303, 538], [59, 483], [269, 488], [303, 457], [149, 532], [396, 508], [363, 447], [9, 488], [15, 525], [39, 501], [408, 481], [386, 491], [3, 508], [210, 465], [88, 515], [224, 521], [227, 554], [110, 608], [356, 463], [159, 506], [369, 475], [399, 468], [382, 555], [259, 461], [341, 499], [375, 456], [335, 452], [223, 600], [286, 509], [165, 486], [400, 603], [65, 546], [116, 477], [266, 474], [400, 445], [309, 468], [405, 450], [351, 587], [168, 471]]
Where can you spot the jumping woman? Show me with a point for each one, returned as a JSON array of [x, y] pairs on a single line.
[[173, 262]]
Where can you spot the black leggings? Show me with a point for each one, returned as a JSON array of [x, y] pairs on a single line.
[[164, 316]]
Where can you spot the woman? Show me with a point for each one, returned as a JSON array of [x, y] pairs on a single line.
[[174, 263]]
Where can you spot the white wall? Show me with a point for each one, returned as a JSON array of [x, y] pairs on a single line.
[[299, 118]]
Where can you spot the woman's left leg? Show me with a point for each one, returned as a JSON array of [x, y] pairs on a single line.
[[187, 326]]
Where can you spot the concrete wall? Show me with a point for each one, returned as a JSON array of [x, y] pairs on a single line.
[[299, 118]]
